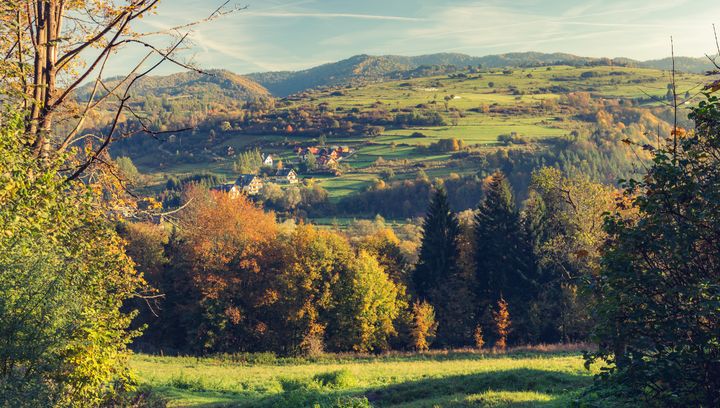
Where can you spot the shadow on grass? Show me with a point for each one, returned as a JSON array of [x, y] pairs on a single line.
[[511, 388], [550, 384]]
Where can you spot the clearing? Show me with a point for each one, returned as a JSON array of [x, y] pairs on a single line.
[[522, 378]]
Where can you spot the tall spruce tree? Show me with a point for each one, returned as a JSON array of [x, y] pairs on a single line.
[[439, 250], [439, 277], [503, 255]]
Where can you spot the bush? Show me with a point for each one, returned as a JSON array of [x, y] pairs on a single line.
[[337, 379], [63, 278], [660, 282], [423, 327]]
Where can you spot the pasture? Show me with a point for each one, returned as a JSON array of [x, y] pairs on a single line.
[[521, 378]]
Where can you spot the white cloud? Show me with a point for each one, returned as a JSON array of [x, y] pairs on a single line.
[[287, 14], [596, 28]]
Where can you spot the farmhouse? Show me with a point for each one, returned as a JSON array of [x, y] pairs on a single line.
[[268, 160], [304, 152], [230, 188], [286, 176], [336, 153], [327, 162], [249, 184]]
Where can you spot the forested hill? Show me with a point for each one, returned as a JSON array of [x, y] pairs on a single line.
[[683, 64], [215, 88], [362, 68]]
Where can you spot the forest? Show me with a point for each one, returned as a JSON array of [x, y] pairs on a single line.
[[449, 259]]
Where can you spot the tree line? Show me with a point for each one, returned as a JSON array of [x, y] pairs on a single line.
[[233, 279]]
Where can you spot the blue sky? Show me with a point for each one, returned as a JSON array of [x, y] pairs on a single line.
[[295, 34]]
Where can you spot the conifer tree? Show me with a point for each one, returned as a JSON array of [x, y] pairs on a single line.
[[439, 248], [439, 277], [503, 256]]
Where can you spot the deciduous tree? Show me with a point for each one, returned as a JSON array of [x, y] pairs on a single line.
[[660, 280]]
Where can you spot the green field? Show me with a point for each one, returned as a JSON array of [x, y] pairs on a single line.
[[456, 379]]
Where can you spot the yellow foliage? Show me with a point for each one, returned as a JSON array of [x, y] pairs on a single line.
[[502, 324], [424, 326]]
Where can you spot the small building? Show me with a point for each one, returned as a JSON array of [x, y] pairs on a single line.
[[286, 176], [249, 184], [304, 153], [268, 160], [230, 188], [327, 162]]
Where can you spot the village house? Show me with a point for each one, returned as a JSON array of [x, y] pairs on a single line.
[[230, 188], [336, 153], [268, 160], [327, 162], [286, 176], [250, 184], [304, 152]]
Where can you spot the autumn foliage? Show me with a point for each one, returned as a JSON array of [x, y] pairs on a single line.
[[502, 324], [235, 282], [424, 326]]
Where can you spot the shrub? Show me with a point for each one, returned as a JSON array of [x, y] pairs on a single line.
[[337, 379], [660, 280], [479, 339], [423, 327], [63, 278], [502, 324]]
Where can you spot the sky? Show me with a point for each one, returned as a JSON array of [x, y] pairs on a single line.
[[275, 35]]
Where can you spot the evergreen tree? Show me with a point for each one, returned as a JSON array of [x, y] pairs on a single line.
[[503, 263], [438, 277], [439, 248]]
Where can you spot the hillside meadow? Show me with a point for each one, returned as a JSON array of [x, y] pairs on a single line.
[[521, 378]]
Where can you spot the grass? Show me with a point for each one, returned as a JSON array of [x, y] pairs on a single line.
[[451, 379]]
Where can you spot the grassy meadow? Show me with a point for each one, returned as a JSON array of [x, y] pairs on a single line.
[[521, 378]]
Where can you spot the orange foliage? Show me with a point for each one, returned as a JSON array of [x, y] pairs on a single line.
[[502, 324], [219, 231]]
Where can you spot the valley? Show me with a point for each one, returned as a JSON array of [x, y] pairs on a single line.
[[538, 113]]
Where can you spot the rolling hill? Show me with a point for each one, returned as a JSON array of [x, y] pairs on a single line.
[[368, 68], [217, 87]]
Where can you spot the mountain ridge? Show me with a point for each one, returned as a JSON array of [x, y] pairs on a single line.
[[364, 67], [223, 85]]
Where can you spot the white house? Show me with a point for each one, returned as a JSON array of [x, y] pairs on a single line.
[[286, 176]]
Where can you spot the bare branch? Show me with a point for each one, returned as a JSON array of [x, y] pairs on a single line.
[[127, 13], [104, 145], [168, 56], [91, 68], [121, 108], [219, 12], [675, 104]]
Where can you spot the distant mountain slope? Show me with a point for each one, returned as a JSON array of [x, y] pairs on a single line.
[[683, 64], [216, 87], [362, 68], [177, 101]]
